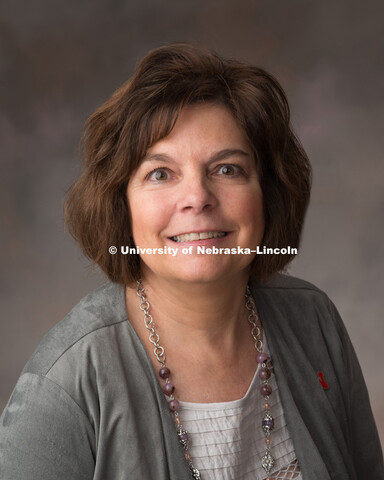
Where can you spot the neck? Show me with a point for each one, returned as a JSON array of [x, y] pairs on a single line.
[[202, 317], [205, 334]]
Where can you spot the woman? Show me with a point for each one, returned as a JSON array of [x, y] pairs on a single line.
[[166, 372]]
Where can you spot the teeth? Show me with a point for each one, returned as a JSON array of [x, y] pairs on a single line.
[[191, 237]]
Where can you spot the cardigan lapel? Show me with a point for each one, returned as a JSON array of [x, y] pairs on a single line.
[[285, 366]]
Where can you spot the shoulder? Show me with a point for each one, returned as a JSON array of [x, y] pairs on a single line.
[[100, 309], [297, 303], [301, 323], [85, 362], [290, 288], [282, 281]]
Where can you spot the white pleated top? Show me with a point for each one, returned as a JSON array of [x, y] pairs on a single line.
[[227, 441]]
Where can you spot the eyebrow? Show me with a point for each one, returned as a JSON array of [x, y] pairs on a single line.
[[221, 155]]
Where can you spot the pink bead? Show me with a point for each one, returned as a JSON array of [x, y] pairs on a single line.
[[168, 388], [164, 372], [265, 390], [266, 406], [268, 441], [173, 405], [264, 374], [261, 357]]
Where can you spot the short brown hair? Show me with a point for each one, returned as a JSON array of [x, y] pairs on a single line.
[[144, 110]]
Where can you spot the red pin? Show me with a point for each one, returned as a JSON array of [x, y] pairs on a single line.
[[324, 384]]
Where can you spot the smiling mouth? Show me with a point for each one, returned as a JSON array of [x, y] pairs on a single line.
[[192, 237]]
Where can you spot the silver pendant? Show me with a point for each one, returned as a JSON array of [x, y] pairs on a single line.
[[195, 473], [267, 462]]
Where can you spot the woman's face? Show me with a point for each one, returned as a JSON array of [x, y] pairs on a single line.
[[198, 182]]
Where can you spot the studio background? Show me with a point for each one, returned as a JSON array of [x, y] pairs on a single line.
[[60, 60]]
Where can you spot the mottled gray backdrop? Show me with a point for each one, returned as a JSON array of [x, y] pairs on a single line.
[[60, 59]]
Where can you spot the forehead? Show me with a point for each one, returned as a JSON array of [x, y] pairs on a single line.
[[203, 127]]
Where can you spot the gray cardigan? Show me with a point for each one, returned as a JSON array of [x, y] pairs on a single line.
[[88, 404]]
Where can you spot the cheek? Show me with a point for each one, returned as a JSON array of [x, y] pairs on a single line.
[[252, 217], [249, 207], [149, 215]]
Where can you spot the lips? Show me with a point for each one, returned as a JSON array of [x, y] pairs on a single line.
[[195, 236]]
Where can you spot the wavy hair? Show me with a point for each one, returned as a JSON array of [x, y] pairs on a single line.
[[144, 110]]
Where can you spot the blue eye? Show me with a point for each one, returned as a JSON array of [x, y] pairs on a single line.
[[158, 175]]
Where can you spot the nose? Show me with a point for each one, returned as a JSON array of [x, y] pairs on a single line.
[[197, 194]]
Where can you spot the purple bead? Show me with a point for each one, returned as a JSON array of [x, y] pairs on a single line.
[[261, 357], [265, 390], [164, 372], [264, 374], [268, 425], [183, 437], [173, 405], [168, 388]]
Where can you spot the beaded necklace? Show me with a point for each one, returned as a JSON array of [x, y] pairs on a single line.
[[267, 461]]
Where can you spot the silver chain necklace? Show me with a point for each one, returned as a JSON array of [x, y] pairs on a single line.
[[267, 461]]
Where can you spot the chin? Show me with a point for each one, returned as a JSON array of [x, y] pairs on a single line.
[[194, 270], [204, 274], [198, 277]]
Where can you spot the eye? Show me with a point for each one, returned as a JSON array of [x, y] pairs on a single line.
[[158, 175], [230, 170]]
